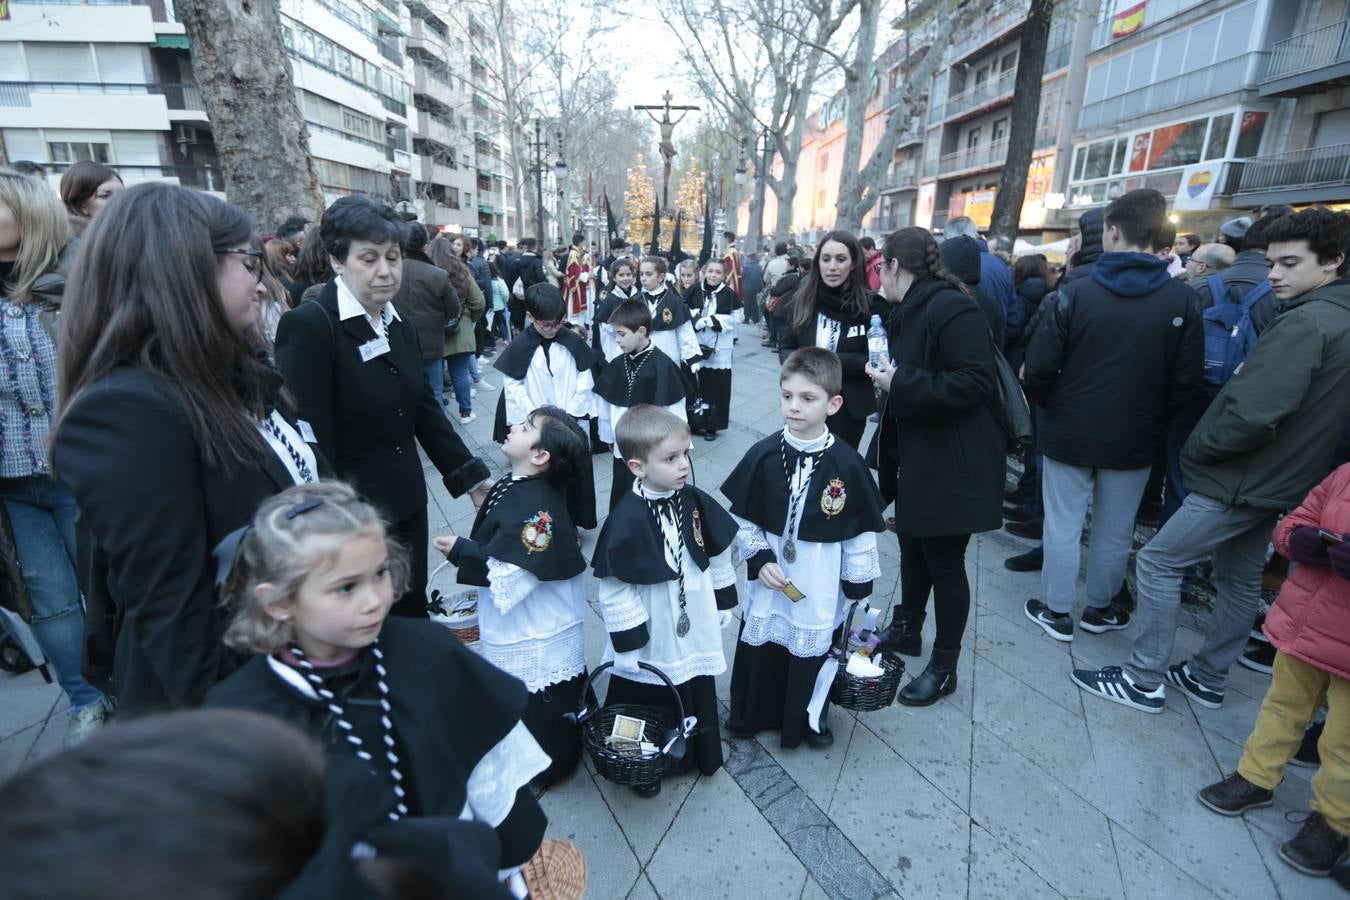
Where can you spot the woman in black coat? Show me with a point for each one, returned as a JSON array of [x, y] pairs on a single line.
[[1031, 282], [356, 369], [172, 432], [941, 449], [832, 309]]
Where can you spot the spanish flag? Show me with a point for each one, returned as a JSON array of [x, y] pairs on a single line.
[[1128, 21]]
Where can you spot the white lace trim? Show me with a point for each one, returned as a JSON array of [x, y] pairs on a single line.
[[540, 662], [503, 771], [722, 573], [682, 670], [750, 540], [859, 568], [510, 584], [620, 606], [802, 642]]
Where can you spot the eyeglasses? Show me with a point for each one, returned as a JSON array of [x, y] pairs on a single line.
[[252, 260]]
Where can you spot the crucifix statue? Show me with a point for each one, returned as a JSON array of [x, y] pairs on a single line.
[[667, 144]]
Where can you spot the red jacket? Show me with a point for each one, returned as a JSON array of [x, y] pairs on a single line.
[[1311, 619]]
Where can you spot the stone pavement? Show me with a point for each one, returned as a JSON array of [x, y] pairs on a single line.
[[1015, 786]]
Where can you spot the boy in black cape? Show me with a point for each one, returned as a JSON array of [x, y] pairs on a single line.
[[549, 364], [808, 512], [641, 375], [523, 554], [672, 329], [667, 586], [717, 314]]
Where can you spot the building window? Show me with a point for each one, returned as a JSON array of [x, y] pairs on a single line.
[[74, 151], [999, 131], [820, 199], [1250, 130], [972, 139], [1008, 63], [1219, 130], [824, 163], [1177, 145]]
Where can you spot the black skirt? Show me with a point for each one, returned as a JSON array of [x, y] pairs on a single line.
[[699, 696], [714, 386], [580, 495], [560, 739], [770, 689], [621, 483]]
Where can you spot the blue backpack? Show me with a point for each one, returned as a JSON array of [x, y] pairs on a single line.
[[1229, 332]]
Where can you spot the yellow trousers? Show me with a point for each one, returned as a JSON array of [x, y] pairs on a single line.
[[1296, 691]]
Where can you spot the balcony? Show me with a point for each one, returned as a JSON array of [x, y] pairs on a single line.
[[202, 178], [1308, 62], [1316, 175], [887, 224], [435, 130], [436, 173], [985, 94], [1239, 73], [430, 81], [400, 158], [998, 24], [981, 156], [422, 36], [902, 178]]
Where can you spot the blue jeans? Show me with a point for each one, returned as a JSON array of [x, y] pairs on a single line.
[[460, 381], [476, 375], [434, 369], [42, 513]]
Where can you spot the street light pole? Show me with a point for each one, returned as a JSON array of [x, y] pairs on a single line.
[[539, 145]]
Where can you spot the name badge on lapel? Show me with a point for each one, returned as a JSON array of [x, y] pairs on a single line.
[[857, 331], [371, 349], [306, 431]]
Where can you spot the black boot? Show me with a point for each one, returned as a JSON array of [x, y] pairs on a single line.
[[904, 635], [937, 680]]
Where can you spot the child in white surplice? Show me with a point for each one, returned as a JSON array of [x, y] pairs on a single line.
[[808, 512]]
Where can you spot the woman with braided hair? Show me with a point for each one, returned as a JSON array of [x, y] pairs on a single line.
[[940, 449]]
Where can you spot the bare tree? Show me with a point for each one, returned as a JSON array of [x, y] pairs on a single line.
[[259, 131], [760, 66], [1025, 113], [938, 21]]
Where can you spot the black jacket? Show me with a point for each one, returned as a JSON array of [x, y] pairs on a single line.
[[961, 256], [859, 399], [370, 416], [429, 302], [151, 512], [1114, 356], [941, 451]]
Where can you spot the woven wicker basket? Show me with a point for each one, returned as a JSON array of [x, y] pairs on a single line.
[[461, 610], [556, 872]]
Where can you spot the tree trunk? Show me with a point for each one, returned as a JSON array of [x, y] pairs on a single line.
[[1025, 115], [260, 134], [858, 87]]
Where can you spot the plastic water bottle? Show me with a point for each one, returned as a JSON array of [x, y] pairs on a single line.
[[877, 343]]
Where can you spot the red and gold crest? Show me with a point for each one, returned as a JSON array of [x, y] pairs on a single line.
[[537, 533], [833, 498], [667, 316]]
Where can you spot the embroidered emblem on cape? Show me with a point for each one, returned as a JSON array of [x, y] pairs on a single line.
[[698, 527], [667, 316], [833, 498], [537, 534]]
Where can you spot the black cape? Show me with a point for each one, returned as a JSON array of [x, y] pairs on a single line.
[[530, 527], [603, 310], [841, 502], [727, 301], [515, 359], [670, 303], [630, 546], [658, 380]]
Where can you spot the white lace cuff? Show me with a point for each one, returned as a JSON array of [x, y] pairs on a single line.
[[722, 573], [750, 539], [510, 584], [505, 769], [619, 606], [860, 562]]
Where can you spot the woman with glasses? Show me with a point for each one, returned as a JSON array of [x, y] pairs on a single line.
[[171, 431], [34, 260], [356, 369]]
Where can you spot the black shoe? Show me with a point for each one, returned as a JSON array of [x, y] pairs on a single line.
[[903, 635], [1235, 795], [739, 733], [1256, 633], [1208, 697], [1029, 530], [1031, 561], [1100, 621], [710, 435], [647, 791], [1058, 625], [1014, 497], [1017, 514], [1148, 518], [1259, 657], [1307, 755], [936, 681], [1317, 847], [1124, 599], [817, 739]]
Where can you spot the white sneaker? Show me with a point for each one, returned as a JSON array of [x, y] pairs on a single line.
[[484, 385], [465, 420], [86, 721]]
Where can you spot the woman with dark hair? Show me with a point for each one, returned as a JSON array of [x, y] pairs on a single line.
[[461, 346], [37, 513], [311, 266], [832, 309], [1031, 282], [172, 429], [941, 449], [356, 369], [85, 188]]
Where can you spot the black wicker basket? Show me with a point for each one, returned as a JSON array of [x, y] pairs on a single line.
[[865, 694], [633, 767]]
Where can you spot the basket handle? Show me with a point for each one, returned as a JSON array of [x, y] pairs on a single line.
[[675, 737], [848, 624]]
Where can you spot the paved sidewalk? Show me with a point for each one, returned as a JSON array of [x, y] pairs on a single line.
[[1015, 786]]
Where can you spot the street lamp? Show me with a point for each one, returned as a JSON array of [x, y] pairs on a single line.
[[742, 170]]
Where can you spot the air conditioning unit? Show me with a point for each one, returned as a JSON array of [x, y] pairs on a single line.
[[185, 134]]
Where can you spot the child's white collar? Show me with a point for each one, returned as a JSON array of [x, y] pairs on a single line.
[[647, 493], [808, 446]]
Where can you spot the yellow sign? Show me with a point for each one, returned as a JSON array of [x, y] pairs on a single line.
[[979, 206]]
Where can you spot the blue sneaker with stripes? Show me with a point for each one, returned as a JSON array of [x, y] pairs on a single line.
[[1114, 683]]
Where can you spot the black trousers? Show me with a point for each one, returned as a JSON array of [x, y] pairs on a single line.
[[847, 428], [936, 565], [412, 534]]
